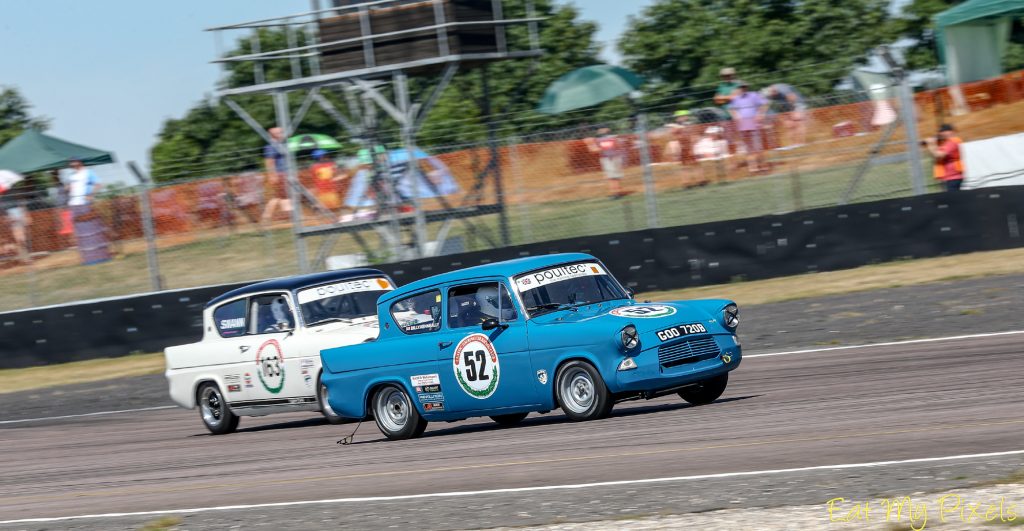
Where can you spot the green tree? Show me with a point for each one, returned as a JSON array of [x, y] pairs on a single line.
[[15, 115], [812, 43]]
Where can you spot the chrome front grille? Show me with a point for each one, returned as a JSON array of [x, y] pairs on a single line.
[[690, 351]]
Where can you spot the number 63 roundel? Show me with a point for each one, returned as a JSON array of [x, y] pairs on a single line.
[[476, 366]]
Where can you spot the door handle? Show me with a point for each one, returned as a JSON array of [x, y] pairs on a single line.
[[444, 344], [243, 348]]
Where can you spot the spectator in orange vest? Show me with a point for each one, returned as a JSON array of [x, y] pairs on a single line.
[[946, 150]]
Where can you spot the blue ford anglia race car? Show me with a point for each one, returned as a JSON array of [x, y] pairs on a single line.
[[533, 334]]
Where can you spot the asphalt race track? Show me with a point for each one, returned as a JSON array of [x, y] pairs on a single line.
[[807, 410]]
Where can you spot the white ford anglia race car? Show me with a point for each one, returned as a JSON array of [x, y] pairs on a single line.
[[260, 351]]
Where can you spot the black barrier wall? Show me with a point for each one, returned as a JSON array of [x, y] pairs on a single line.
[[648, 260]]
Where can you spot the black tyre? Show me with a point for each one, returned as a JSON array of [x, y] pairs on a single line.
[[581, 392], [509, 420], [706, 391], [395, 415], [214, 410], [325, 406]]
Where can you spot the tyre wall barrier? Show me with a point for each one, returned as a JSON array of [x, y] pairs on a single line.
[[824, 239]]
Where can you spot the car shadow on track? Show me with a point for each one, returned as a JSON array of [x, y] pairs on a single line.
[[305, 423], [545, 420]]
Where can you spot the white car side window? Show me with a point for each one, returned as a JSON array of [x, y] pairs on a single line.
[[269, 314]]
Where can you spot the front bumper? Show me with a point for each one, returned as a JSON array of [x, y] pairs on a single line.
[[651, 376]]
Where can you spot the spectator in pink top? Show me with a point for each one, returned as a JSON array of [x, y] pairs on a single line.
[[748, 109]]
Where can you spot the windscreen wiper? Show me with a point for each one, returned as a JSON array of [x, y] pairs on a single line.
[[552, 306]]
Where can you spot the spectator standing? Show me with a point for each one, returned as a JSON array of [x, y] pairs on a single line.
[[325, 179], [13, 205], [727, 87], [748, 109], [791, 109], [680, 145], [276, 170], [945, 148], [613, 155], [711, 151], [90, 233]]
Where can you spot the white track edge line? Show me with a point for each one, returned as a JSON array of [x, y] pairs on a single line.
[[514, 490], [93, 414], [886, 344]]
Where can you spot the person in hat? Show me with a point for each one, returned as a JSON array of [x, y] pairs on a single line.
[[945, 149], [748, 109], [727, 87]]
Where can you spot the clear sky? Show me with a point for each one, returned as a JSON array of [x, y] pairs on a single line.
[[109, 72]]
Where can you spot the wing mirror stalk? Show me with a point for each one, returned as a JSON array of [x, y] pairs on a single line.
[[491, 324]]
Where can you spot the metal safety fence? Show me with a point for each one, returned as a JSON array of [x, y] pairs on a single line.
[[657, 168]]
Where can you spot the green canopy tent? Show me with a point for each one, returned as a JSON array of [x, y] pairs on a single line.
[[972, 38], [33, 151]]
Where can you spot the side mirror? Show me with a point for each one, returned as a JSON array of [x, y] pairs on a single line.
[[491, 324], [631, 292]]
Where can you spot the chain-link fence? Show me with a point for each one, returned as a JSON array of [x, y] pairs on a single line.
[[700, 166]]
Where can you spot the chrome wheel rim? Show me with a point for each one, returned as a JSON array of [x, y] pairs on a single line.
[[324, 405], [392, 410], [212, 406], [577, 390]]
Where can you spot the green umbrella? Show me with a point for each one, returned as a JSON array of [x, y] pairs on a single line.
[[310, 142], [588, 86]]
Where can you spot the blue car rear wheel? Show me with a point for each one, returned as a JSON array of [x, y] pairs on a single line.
[[395, 415]]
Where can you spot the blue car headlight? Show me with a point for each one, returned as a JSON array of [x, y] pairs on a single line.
[[629, 337], [731, 317]]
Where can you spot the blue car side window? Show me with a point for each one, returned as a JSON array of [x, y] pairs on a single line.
[[472, 304], [418, 314]]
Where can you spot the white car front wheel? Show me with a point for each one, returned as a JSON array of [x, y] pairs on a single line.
[[325, 406]]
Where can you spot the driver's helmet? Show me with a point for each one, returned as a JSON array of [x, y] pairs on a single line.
[[279, 309], [487, 302]]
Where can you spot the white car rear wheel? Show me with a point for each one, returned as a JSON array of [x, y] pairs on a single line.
[[214, 410]]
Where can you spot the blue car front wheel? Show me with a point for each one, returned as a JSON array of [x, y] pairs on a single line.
[[706, 391], [581, 392]]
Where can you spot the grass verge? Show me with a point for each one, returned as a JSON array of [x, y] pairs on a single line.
[[31, 378], [867, 278]]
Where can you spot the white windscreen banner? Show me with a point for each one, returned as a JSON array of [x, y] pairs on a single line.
[[558, 274], [342, 288], [995, 161]]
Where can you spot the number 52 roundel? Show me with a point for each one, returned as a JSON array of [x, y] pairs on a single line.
[[476, 366]]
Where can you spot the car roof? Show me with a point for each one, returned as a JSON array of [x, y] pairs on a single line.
[[295, 282], [507, 268]]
